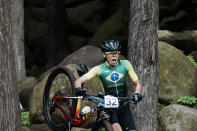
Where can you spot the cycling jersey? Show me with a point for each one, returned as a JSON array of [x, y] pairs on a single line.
[[113, 79]]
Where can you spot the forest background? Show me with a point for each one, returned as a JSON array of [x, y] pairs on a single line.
[[80, 23], [55, 29]]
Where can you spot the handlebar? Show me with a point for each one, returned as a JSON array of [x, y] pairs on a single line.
[[100, 96]]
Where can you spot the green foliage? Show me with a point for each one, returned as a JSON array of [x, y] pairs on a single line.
[[174, 129], [192, 59], [102, 129], [178, 16], [173, 14], [25, 118], [195, 2], [189, 101], [176, 4], [160, 106]]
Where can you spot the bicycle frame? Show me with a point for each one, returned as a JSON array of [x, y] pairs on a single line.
[[76, 121]]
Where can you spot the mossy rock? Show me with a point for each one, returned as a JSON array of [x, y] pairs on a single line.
[[177, 74]]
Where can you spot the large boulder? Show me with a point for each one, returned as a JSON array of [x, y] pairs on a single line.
[[185, 40], [86, 17], [35, 3], [32, 33], [109, 28], [25, 88], [178, 118], [77, 42], [36, 103], [38, 14], [177, 74], [88, 55]]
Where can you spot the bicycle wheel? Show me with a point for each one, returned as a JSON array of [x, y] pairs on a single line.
[[103, 125], [59, 113]]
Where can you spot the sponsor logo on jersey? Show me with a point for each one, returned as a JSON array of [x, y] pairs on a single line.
[[119, 68], [114, 77]]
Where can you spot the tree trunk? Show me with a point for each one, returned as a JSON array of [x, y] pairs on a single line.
[[9, 100], [17, 21], [143, 54], [57, 40]]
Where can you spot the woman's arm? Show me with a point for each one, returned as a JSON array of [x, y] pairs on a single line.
[[138, 86], [80, 81]]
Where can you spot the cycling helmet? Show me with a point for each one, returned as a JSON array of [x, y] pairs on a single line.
[[110, 45]]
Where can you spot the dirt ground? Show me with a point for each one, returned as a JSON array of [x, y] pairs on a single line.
[[45, 127]]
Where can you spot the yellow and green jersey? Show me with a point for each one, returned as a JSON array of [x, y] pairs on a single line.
[[113, 79]]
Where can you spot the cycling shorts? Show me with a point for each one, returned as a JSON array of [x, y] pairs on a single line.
[[123, 116]]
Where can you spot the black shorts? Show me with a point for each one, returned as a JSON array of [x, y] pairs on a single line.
[[123, 116]]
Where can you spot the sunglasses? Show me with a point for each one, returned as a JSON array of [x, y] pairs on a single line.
[[112, 53]]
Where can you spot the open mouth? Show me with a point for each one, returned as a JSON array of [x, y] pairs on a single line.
[[114, 61]]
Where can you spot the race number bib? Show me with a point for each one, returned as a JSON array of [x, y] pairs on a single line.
[[111, 101]]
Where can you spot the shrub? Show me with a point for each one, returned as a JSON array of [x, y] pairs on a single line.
[[25, 118], [189, 101], [192, 59]]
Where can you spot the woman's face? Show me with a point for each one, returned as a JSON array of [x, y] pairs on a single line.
[[112, 57]]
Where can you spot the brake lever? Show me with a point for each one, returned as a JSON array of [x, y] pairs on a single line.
[[86, 96], [132, 100]]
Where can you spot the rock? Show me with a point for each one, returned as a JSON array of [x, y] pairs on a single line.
[[45, 127], [166, 36], [35, 3], [185, 41], [25, 88], [88, 55], [73, 3], [36, 104], [110, 27], [32, 33], [37, 127], [177, 74], [38, 14], [86, 16], [77, 42], [68, 2], [178, 118]]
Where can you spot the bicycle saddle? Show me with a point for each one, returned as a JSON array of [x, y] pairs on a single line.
[[81, 69]]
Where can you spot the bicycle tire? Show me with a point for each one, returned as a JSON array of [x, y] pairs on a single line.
[[103, 125], [53, 87]]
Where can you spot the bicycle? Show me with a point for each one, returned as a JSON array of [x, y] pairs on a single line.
[[62, 108]]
